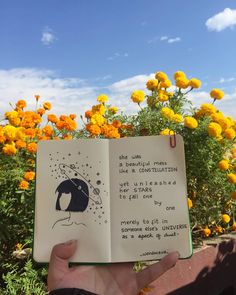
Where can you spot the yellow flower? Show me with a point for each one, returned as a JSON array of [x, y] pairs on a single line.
[[97, 119], [167, 131], [152, 84], [11, 115], [138, 96], [179, 74], [225, 218], [214, 129], [161, 76], [102, 98], [206, 231], [165, 84], [208, 109], [167, 112], [9, 132], [233, 195], [190, 203], [231, 178], [217, 116], [182, 82], [24, 185], [190, 122], [47, 106], [217, 94], [19, 246], [9, 149], [113, 109], [223, 164], [229, 133], [162, 95], [225, 123], [99, 108], [194, 83], [177, 118], [20, 133]]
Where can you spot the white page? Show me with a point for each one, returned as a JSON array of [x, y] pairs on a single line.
[[149, 211], [61, 166]]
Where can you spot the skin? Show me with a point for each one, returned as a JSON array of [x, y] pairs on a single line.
[[116, 279]]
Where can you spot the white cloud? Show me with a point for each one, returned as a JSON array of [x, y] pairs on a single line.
[[117, 55], [68, 95], [48, 37], [75, 95], [226, 80], [164, 39], [173, 40], [222, 20]]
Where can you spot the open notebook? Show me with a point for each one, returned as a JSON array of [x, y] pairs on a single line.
[[122, 199]]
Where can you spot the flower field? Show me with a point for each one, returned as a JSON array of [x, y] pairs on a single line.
[[164, 109]]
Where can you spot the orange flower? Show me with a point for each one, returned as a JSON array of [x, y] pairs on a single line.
[[30, 175], [24, 185], [62, 117], [9, 149], [233, 195], [88, 114], [52, 118], [47, 130], [70, 124], [206, 231], [109, 131], [116, 123], [47, 106], [37, 97], [234, 226], [93, 129], [72, 116], [21, 104], [41, 111], [190, 203], [219, 229], [20, 144], [30, 132], [67, 137], [32, 147], [60, 125]]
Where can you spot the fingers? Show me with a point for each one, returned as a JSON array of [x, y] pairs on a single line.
[[59, 261], [151, 273]]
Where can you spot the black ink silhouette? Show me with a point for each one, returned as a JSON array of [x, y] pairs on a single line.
[[79, 194]]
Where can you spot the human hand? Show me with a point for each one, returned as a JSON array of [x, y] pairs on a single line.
[[115, 279]]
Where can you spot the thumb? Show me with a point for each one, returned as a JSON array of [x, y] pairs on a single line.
[[59, 260]]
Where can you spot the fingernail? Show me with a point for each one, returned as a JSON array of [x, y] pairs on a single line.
[[70, 242]]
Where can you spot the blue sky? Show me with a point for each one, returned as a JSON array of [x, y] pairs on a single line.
[[70, 51]]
